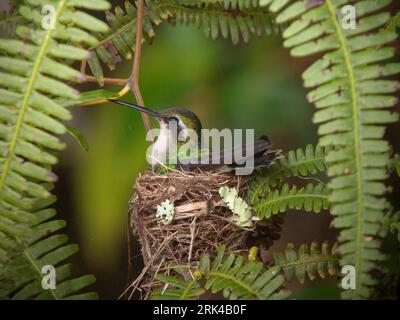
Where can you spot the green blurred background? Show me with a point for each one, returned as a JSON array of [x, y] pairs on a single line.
[[256, 85]]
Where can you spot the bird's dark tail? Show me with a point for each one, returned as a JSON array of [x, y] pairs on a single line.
[[261, 151]]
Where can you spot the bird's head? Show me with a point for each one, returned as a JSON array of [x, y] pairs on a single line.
[[182, 118]]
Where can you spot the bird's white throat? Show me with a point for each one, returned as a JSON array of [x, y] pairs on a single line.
[[166, 140], [165, 148]]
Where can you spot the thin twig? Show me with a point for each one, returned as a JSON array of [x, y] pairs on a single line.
[[107, 80], [89, 78], [130, 251], [83, 66], [192, 235], [136, 282], [134, 78]]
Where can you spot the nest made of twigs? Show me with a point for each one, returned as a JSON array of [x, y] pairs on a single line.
[[201, 223]]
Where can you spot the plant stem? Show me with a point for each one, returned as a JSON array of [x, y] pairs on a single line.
[[107, 80], [134, 78]]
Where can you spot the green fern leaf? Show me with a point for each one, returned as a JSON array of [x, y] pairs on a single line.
[[78, 136], [32, 76], [396, 163], [230, 275], [179, 290], [309, 198], [87, 97], [297, 163], [308, 261], [351, 98], [9, 22], [394, 22], [391, 225], [395, 225], [239, 280]]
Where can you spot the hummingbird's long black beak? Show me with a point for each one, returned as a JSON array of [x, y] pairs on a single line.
[[136, 107]]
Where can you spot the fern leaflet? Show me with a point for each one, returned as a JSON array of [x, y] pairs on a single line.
[[297, 163], [308, 261], [396, 164], [310, 198], [178, 289]]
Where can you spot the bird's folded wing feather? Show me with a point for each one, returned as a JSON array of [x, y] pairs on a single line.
[[260, 150]]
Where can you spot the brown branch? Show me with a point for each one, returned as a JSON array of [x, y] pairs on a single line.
[[134, 78], [83, 66], [107, 80]]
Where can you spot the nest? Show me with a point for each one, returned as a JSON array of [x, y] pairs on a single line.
[[201, 223]]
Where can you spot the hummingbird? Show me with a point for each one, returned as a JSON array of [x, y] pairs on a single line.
[[181, 129]]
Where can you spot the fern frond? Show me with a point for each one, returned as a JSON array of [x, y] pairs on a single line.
[[233, 19], [45, 248], [296, 163], [229, 274], [178, 289], [351, 96], [309, 198], [393, 23], [32, 76], [234, 4], [395, 225], [309, 261], [391, 225], [396, 163], [9, 22]]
